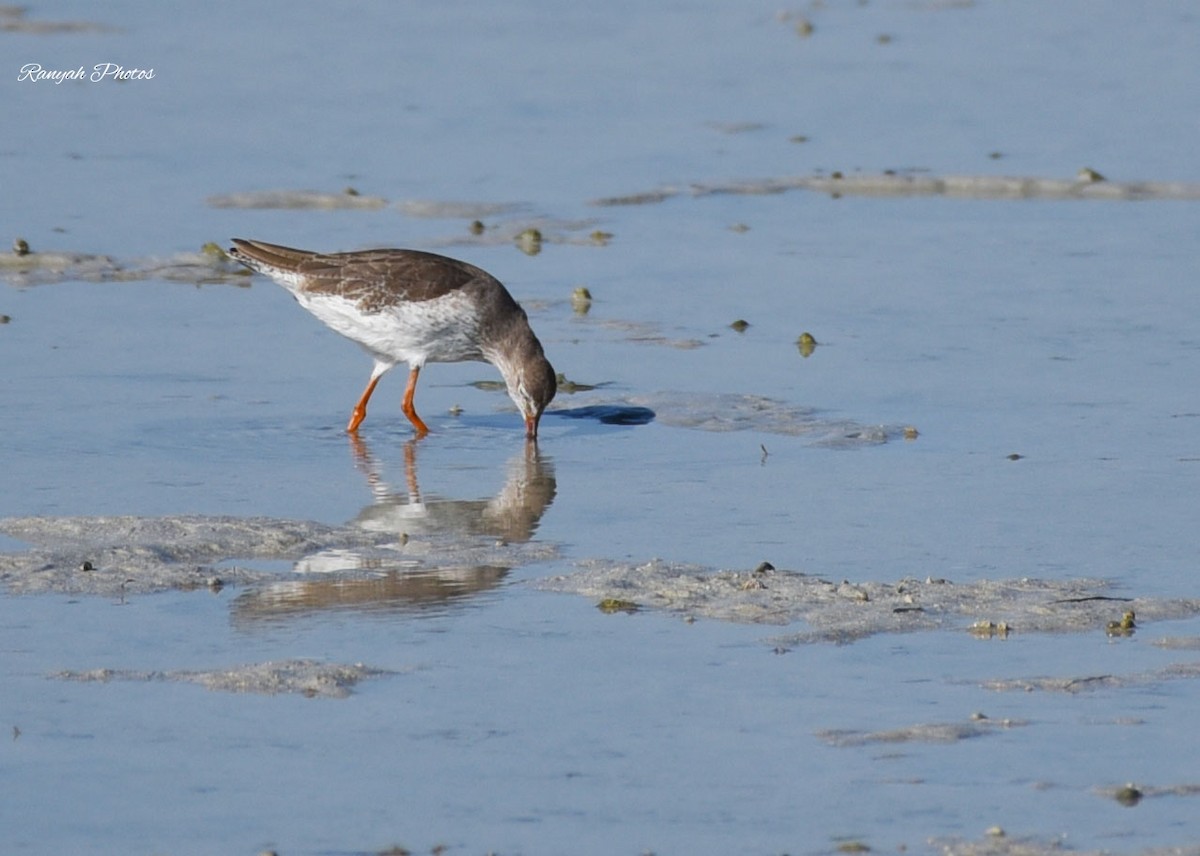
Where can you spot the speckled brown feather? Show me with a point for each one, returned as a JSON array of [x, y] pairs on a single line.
[[375, 279]]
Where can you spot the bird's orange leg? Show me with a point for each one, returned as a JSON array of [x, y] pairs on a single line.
[[407, 404], [360, 409]]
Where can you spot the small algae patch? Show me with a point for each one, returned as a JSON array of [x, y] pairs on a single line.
[[611, 605], [581, 300], [1124, 627], [529, 241], [989, 630]]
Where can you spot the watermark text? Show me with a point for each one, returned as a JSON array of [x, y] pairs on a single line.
[[34, 72]]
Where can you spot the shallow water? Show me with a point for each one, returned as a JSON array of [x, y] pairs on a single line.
[[520, 720]]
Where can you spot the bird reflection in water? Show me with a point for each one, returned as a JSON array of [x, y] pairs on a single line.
[[512, 515], [422, 552]]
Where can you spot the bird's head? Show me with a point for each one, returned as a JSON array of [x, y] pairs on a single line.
[[531, 386]]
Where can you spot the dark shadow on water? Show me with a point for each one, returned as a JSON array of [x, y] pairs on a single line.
[[608, 414]]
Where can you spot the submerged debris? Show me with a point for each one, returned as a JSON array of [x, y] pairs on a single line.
[[296, 199], [13, 20], [733, 412], [1088, 683], [1089, 184], [996, 842], [432, 209], [932, 732], [1178, 643], [569, 387], [645, 333], [305, 677], [529, 234], [1130, 794]]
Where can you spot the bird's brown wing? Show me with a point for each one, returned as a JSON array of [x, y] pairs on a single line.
[[375, 279]]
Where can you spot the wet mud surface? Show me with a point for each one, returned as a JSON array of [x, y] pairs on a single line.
[[134, 555], [373, 561], [843, 611], [46, 267]]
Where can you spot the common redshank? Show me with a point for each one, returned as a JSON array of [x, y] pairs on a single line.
[[408, 306]]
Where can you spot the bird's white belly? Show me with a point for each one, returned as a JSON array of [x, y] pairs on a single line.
[[415, 332]]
